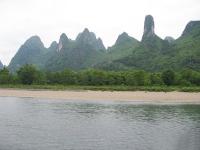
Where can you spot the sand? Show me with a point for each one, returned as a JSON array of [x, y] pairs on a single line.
[[137, 96]]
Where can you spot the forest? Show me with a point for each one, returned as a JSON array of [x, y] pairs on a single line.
[[30, 75]]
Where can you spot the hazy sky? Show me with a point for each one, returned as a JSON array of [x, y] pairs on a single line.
[[21, 19]]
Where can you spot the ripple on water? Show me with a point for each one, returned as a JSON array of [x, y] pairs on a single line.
[[29, 124]]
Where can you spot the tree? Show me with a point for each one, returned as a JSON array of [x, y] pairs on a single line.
[[28, 74], [129, 77], [5, 76], [191, 76], [92, 77], [141, 78], [168, 77], [155, 79]]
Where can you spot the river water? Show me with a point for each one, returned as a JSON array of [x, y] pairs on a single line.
[[38, 124]]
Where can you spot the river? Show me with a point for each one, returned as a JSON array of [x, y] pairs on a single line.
[[42, 124]]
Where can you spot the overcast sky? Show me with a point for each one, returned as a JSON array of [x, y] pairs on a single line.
[[21, 19]]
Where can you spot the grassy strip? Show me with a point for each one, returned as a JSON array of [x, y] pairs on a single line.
[[105, 88]]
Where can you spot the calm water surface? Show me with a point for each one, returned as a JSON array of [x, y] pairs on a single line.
[[34, 124]]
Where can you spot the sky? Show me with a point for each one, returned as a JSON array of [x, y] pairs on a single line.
[[21, 19]]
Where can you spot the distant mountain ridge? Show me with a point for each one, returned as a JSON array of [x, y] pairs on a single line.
[[87, 51]]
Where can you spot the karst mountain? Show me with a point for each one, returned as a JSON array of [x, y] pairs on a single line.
[[152, 53]]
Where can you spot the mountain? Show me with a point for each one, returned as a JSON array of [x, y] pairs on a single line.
[[124, 38], [155, 54], [148, 28], [186, 49], [88, 38], [149, 39], [123, 47], [1, 65], [63, 42], [81, 53], [169, 39], [144, 54], [31, 52], [77, 54], [87, 51], [191, 28], [53, 46]]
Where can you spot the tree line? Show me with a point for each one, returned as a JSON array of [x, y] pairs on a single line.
[[29, 74]]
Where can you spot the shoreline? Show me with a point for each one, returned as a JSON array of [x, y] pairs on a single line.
[[131, 96]]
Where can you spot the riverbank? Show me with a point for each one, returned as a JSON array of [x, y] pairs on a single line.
[[138, 96], [103, 88]]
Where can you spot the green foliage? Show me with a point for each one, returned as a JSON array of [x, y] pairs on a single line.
[[92, 77], [155, 79], [66, 77], [140, 78], [168, 77], [5, 77], [191, 76], [28, 74]]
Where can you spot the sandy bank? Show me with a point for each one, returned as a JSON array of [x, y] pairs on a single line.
[[176, 97]]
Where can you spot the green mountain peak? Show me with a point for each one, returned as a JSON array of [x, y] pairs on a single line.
[[124, 38], [90, 39], [191, 27], [148, 28]]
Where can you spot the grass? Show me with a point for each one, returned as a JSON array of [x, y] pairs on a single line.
[[104, 88]]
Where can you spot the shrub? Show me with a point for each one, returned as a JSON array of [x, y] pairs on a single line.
[[168, 77], [28, 74]]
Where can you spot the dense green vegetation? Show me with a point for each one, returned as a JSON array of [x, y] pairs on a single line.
[[28, 76], [168, 77]]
